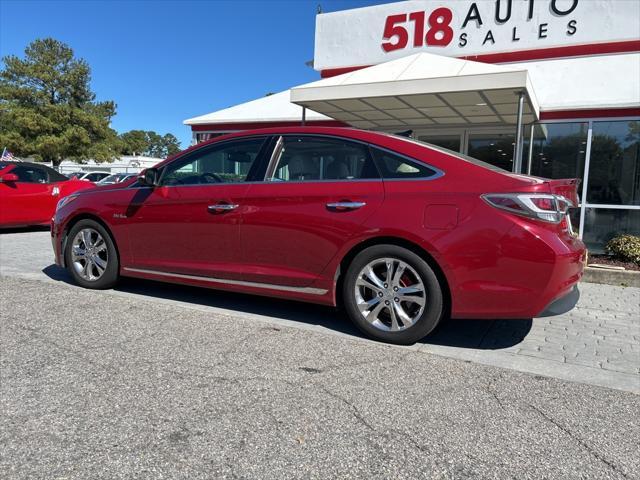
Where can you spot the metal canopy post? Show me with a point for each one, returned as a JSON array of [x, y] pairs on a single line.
[[517, 160], [304, 115]]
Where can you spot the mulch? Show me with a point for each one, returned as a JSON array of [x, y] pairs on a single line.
[[609, 260]]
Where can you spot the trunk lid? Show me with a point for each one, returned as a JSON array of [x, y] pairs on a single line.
[[566, 187]]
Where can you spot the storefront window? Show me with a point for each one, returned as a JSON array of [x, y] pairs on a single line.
[[614, 167], [602, 224], [450, 142], [496, 148], [559, 150]]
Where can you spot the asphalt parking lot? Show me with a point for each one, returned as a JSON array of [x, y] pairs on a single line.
[[159, 381]]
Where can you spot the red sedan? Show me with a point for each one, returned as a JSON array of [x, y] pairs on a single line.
[[29, 193], [400, 232]]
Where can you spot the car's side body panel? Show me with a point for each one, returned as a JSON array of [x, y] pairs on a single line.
[[208, 242], [290, 232]]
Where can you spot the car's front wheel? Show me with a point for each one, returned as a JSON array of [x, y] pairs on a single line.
[[392, 294], [90, 255]]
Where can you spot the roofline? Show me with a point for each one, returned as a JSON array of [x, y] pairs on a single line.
[[337, 131], [198, 121], [205, 127]]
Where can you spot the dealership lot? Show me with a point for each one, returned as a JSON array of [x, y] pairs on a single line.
[[158, 381]]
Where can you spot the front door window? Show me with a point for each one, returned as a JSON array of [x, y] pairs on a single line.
[[225, 163]]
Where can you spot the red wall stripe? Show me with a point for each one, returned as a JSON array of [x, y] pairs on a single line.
[[627, 46], [554, 115], [590, 113]]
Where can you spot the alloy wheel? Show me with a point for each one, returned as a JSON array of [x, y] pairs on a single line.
[[390, 294], [89, 254]]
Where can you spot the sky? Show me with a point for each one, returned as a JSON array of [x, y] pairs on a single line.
[[165, 61]]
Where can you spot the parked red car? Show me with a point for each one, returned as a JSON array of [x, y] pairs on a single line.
[[400, 232], [29, 193]]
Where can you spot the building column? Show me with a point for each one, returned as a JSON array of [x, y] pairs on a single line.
[[517, 157]]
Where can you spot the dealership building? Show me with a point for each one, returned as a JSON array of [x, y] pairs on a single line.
[[543, 87]]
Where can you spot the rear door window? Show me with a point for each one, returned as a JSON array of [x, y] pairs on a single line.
[[309, 159]]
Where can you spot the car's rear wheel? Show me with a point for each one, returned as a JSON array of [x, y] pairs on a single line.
[[90, 255], [392, 294]]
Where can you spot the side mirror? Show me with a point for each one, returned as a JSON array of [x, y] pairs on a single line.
[[9, 178], [149, 177]]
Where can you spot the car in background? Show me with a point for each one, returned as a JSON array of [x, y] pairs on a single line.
[[399, 232], [90, 176], [75, 175], [29, 193], [116, 178]]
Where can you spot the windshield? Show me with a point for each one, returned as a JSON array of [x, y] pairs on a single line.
[[459, 155], [110, 179]]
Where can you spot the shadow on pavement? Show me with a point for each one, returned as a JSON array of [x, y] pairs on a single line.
[[477, 334], [38, 228]]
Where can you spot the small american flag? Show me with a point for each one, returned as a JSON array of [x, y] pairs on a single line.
[[6, 155]]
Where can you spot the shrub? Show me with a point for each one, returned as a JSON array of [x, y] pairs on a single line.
[[625, 248]]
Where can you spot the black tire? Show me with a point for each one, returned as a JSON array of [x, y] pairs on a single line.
[[433, 308], [110, 275]]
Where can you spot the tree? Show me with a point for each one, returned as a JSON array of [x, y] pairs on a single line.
[[134, 142], [149, 143], [47, 108], [170, 145]]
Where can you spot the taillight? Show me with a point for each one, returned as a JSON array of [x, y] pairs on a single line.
[[549, 208]]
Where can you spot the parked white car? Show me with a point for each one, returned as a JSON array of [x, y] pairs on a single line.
[[116, 178], [89, 176]]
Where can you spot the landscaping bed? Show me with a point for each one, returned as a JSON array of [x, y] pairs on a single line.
[[611, 261]]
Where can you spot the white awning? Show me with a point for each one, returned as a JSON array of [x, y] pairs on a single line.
[[423, 89], [272, 108]]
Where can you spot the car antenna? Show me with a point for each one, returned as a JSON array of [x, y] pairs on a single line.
[[405, 133]]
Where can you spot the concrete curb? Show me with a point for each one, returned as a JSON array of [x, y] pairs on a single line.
[[624, 278]]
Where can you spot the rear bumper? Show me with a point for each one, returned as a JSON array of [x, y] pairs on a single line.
[[535, 268]]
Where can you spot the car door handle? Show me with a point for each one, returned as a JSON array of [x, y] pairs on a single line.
[[222, 207], [342, 206]]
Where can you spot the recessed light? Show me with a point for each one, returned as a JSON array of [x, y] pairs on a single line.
[[481, 104]]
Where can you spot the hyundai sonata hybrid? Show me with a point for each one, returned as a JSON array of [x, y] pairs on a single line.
[[398, 232]]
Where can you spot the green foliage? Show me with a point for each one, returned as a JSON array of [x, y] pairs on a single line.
[[149, 143], [625, 248], [47, 108]]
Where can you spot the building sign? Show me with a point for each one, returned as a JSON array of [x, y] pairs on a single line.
[[460, 28]]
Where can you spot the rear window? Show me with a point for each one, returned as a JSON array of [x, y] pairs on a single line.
[[56, 176]]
